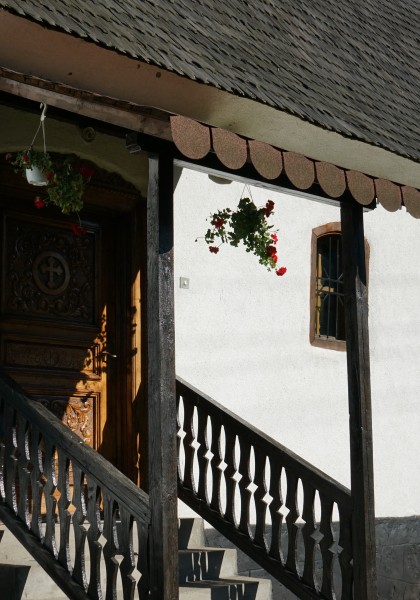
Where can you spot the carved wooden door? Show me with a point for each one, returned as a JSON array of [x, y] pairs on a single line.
[[59, 333]]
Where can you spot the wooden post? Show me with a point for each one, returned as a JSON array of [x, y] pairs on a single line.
[[161, 381], [358, 372]]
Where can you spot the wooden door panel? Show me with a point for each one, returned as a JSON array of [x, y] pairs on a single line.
[[53, 326], [48, 273]]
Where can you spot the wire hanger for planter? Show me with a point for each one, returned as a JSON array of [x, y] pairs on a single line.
[[64, 182]]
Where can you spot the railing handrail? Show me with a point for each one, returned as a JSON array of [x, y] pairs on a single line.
[[336, 491], [89, 461]]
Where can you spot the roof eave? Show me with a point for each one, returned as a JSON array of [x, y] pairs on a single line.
[[62, 58]]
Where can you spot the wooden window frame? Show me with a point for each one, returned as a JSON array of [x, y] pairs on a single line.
[[318, 341]]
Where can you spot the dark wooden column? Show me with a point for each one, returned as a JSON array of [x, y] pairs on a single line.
[[161, 381], [360, 412]]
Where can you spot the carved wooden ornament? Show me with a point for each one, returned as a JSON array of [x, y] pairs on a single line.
[[299, 169], [190, 137], [231, 149], [195, 140], [388, 194], [331, 179], [266, 159], [361, 187], [411, 198]]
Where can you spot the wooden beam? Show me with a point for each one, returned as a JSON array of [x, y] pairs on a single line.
[[161, 381], [360, 411], [81, 102]]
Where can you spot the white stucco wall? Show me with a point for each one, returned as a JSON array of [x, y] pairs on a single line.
[[242, 335]]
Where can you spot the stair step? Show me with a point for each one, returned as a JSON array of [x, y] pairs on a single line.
[[191, 533], [245, 588], [206, 563], [206, 573]]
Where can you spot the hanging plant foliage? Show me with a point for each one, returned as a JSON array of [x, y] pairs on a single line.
[[65, 184], [248, 225]]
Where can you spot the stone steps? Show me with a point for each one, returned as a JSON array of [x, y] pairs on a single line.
[[204, 573], [208, 573]]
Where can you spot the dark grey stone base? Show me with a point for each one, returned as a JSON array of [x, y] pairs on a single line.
[[398, 560]]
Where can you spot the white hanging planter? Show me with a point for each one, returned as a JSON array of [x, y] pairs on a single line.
[[36, 177]]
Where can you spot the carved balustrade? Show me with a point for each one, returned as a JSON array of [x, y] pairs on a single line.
[[291, 518], [84, 521]]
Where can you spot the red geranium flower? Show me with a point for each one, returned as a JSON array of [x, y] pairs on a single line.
[[25, 158], [86, 173], [274, 258], [281, 271], [218, 222], [39, 203], [268, 208], [49, 175], [271, 250], [274, 238], [78, 230], [214, 249]]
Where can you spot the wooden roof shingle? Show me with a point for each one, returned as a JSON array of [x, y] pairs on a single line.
[[347, 66]]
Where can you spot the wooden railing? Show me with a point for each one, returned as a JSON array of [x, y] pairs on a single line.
[[270, 503], [81, 519]]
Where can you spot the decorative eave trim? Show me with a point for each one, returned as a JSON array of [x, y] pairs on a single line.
[[195, 140]]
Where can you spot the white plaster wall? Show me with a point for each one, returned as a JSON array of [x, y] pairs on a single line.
[[394, 314], [242, 335]]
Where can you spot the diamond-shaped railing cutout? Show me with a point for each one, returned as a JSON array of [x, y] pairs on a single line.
[[85, 526], [222, 466], [317, 536], [181, 434], [268, 499], [237, 476], [71, 508], [102, 540], [136, 575], [118, 558], [194, 444], [208, 455], [283, 511], [335, 548], [252, 487]]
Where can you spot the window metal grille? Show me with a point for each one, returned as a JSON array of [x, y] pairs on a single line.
[[329, 305]]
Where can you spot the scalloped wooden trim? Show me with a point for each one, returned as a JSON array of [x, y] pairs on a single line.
[[299, 169], [361, 187], [331, 179], [388, 194], [266, 159], [411, 197], [230, 149], [190, 137]]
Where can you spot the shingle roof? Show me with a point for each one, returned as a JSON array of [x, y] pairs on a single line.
[[345, 65]]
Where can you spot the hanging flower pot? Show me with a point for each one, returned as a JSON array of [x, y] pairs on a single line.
[[35, 176], [247, 225], [65, 183]]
